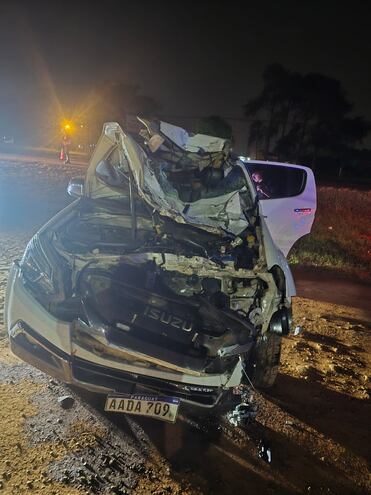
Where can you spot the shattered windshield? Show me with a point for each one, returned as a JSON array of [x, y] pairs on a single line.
[[203, 188]]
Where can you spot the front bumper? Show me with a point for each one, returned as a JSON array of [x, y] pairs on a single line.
[[56, 347]]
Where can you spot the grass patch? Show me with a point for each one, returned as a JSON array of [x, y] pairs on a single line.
[[341, 233]]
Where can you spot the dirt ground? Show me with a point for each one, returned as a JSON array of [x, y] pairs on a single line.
[[315, 419]]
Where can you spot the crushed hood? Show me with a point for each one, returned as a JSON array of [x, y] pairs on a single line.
[[222, 213]]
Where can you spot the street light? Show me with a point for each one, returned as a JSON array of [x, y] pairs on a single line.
[[67, 126]]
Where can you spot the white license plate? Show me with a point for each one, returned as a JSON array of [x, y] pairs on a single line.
[[163, 408]]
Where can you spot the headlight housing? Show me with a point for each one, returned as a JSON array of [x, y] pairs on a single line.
[[36, 268], [281, 322]]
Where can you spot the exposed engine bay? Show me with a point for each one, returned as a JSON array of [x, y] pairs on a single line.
[[179, 296], [160, 273]]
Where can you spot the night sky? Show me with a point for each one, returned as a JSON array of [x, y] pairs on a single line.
[[195, 58]]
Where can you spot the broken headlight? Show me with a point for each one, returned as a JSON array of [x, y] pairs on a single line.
[[36, 268]]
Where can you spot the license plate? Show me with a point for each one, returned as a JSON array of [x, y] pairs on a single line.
[[163, 408]]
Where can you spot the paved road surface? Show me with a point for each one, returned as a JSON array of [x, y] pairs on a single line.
[[46, 157]]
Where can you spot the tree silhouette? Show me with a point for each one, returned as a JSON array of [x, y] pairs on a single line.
[[256, 136], [298, 116], [271, 102], [214, 126], [115, 101]]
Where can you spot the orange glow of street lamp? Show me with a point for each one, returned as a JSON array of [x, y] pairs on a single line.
[[67, 126]]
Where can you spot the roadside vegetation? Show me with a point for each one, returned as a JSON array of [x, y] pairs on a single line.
[[341, 234], [300, 118]]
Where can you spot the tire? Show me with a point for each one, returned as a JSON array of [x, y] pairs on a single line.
[[266, 360]]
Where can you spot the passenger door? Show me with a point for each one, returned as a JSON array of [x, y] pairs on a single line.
[[287, 197]]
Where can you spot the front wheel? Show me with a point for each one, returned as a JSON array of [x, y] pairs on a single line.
[[264, 364]]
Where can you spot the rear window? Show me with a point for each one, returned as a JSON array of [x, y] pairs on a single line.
[[276, 181]]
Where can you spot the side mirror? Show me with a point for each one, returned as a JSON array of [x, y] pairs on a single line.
[[76, 187]]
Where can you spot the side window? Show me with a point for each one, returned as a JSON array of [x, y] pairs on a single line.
[[276, 181], [111, 172], [114, 158]]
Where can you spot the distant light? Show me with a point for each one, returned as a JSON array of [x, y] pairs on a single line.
[[67, 125], [244, 158]]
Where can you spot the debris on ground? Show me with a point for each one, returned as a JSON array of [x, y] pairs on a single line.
[[265, 452], [242, 414], [66, 401]]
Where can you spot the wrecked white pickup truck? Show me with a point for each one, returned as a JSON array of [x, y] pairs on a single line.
[[165, 284]]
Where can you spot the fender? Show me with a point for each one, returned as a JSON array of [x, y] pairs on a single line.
[[274, 256]]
